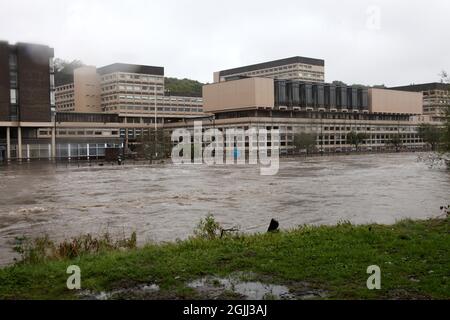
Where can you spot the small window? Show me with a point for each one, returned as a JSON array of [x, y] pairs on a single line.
[[13, 96]]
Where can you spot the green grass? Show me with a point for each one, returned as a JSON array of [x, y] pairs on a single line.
[[414, 257]]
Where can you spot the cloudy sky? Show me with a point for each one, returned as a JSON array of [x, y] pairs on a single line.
[[368, 42]]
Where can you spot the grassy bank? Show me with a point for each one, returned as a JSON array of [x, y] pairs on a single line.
[[414, 257]]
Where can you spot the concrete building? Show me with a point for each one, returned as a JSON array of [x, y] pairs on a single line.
[[264, 93], [294, 68], [65, 98], [395, 101], [27, 99], [87, 89], [82, 94], [26, 82], [329, 128], [327, 111], [124, 89], [130, 89], [436, 98], [129, 92], [247, 93]]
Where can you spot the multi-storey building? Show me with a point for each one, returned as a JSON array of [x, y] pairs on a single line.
[[127, 90], [329, 112], [79, 92], [26, 96], [294, 68], [27, 130], [436, 98], [65, 97], [131, 89], [26, 82]]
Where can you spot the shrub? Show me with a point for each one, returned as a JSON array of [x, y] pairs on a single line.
[[208, 228], [42, 248]]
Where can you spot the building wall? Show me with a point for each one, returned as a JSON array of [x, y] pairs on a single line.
[[247, 93], [65, 98], [436, 98], [124, 92], [294, 68], [392, 101], [87, 90], [34, 82], [4, 81], [435, 103], [331, 134]]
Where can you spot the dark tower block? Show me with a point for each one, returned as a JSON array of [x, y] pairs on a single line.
[[4, 81], [34, 82]]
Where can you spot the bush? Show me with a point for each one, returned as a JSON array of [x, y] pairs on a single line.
[[208, 228], [42, 249]]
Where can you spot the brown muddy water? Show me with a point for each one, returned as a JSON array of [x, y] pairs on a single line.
[[163, 203]]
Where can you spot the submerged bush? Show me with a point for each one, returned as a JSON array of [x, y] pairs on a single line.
[[42, 248]]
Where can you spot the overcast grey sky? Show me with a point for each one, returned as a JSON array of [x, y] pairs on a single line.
[[394, 42]]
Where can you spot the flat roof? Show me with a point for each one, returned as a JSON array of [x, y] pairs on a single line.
[[272, 64], [423, 87], [131, 68]]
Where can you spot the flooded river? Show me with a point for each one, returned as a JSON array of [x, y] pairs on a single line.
[[163, 203]]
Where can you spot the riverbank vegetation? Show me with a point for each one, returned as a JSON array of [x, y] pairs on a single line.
[[414, 257]]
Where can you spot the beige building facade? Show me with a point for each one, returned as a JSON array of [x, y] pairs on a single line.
[[87, 94], [249, 93], [65, 98], [125, 89], [436, 98], [259, 93], [394, 101], [294, 68]]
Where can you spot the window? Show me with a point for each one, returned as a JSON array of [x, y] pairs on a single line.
[[52, 98], [12, 61], [13, 95], [13, 79]]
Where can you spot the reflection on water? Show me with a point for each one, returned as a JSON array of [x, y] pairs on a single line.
[[163, 203]]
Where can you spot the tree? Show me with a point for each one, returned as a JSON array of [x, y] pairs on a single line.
[[64, 70], [430, 134], [396, 141], [305, 141], [185, 87], [445, 134], [444, 77], [438, 136], [154, 145], [338, 83], [356, 139], [379, 86]]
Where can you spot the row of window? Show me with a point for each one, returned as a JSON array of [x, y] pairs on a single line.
[[65, 87], [147, 108], [131, 76], [132, 88], [282, 68], [363, 128], [67, 96], [80, 132], [436, 93]]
